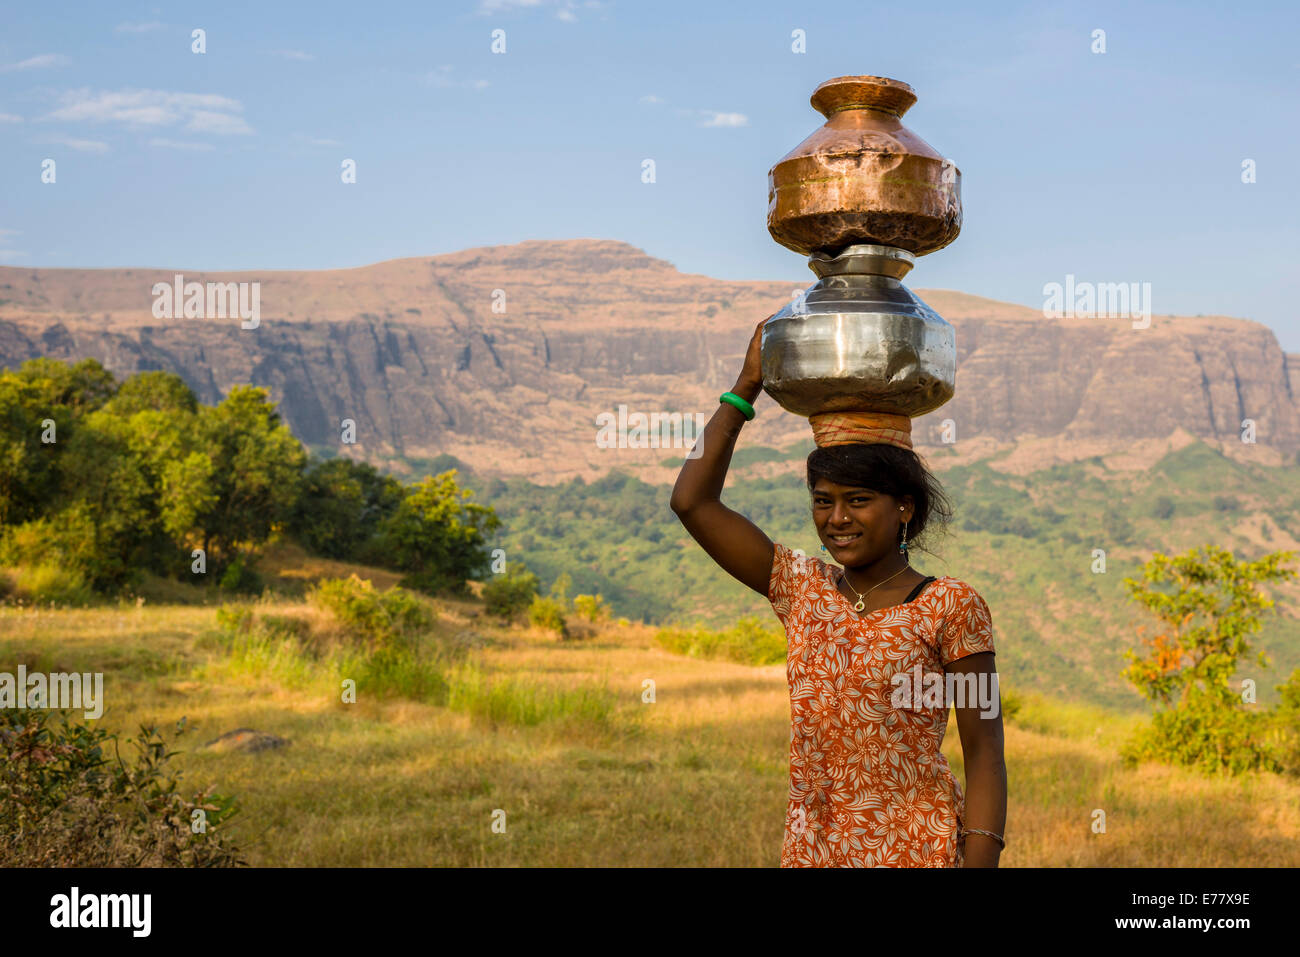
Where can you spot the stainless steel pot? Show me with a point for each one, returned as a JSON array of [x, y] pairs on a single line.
[[858, 339]]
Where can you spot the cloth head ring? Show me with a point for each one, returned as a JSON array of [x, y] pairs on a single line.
[[864, 428]]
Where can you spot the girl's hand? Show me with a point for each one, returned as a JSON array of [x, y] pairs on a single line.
[[750, 381]]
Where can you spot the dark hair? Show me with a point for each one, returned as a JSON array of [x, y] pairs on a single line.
[[889, 470]]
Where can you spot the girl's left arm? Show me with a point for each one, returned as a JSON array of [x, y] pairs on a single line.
[[979, 724]]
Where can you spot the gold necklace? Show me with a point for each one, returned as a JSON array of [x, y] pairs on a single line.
[[862, 598]]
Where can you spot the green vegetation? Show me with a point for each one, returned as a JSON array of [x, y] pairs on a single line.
[[108, 489], [590, 774], [747, 642], [591, 607], [342, 508], [545, 612], [388, 644], [1204, 719], [103, 484], [1026, 543], [376, 639], [437, 536], [1033, 545], [69, 798], [512, 701], [510, 594]]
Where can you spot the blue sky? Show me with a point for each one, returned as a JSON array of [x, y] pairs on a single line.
[[1123, 166]]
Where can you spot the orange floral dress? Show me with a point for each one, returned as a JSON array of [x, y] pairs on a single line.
[[869, 786]]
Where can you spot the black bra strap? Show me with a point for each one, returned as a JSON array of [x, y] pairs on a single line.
[[917, 590]]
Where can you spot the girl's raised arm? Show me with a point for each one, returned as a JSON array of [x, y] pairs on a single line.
[[733, 541]]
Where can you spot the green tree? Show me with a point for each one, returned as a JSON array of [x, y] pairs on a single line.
[[156, 416], [560, 589], [153, 391], [81, 387], [437, 536], [1189, 665], [342, 508], [137, 474], [255, 477], [40, 394], [106, 521], [28, 467]]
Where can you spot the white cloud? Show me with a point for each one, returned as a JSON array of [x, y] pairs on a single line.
[[714, 118], [206, 121], [8, 255], [293, 54], [200, 112], [176, 145], [442, 78], [36, 62], [565, 10], [10, 118], [137, 27], [82, 146], [650, 98]]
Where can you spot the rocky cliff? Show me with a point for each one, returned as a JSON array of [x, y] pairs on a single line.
[[504, 356]]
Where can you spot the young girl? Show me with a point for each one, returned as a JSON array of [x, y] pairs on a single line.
[[869, 786]]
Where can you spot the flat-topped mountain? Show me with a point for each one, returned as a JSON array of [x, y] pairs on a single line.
[[504, 356]]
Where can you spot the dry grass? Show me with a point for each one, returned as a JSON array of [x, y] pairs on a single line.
[[287, 567], [698, 777]]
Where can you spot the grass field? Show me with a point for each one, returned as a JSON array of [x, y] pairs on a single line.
[[586, 773]]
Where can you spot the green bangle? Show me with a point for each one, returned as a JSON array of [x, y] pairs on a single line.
[[732, 399]]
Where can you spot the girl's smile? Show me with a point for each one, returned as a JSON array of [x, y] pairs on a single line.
[[858, 525]]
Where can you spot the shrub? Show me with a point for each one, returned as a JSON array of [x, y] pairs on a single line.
[[241, 577], [509, 595], [31, 543], [374, 620], [234, 619], [1187, 667], [435, 582], [53, 584], [548, 613], [1205, 736], [560, 589], [1284, 724], [67, 801], [369, 636], [46, 566], [591, 607], [747, 641], [1011, 702]]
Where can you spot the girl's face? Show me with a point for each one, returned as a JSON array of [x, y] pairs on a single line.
[[857, 525]]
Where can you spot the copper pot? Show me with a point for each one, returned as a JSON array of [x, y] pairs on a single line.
[[863, 177]]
